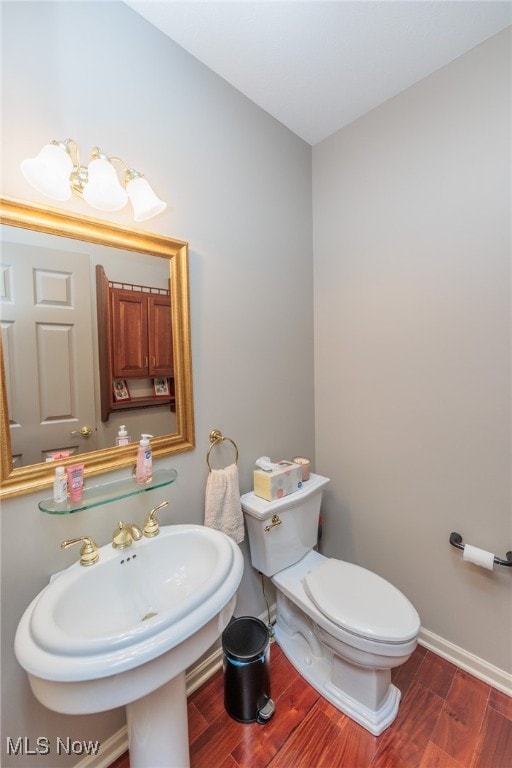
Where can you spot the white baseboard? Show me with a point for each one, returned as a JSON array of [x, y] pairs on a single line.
[[200, 674], [110, 750], [467, 661]]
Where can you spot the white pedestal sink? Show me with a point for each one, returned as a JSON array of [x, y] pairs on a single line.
[[123, 632]]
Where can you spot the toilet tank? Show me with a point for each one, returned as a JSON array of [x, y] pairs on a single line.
[[277, 542]]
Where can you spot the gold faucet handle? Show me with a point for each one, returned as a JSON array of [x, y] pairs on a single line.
[[151, 525], [89, 551]]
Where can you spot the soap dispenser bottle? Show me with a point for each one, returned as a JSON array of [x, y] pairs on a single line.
[[60, 485], [144, 469], [123, 438]]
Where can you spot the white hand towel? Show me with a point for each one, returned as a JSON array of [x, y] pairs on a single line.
[[222, 508]]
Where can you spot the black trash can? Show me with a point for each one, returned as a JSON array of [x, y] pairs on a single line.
[[246, 661]]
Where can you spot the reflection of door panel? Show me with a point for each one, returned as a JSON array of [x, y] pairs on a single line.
[[46, 328]]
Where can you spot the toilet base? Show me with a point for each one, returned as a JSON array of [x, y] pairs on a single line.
[[367, 695]]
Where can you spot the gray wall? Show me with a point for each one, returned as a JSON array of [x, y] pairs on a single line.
[[238, 186], [412, 344], [411, 289]]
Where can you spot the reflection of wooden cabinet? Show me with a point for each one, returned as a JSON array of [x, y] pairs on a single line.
[[141, 334], [135, 343]]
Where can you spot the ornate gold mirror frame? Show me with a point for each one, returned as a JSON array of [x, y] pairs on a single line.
[[14, 482]]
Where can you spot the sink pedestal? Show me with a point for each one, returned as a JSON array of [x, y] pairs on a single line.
[[81, 656], [158, 727]]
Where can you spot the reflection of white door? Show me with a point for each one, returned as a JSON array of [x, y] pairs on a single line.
[[47, 346]]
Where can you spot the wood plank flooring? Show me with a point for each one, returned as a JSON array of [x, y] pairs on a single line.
[[447, 719]]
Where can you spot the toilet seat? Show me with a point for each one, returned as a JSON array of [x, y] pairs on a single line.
[[361, 602]]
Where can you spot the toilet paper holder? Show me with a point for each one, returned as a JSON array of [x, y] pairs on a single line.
[[456, 541]]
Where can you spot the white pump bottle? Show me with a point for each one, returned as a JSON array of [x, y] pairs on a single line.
[[123, 437]]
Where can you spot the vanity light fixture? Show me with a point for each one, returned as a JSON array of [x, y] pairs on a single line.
[[57, 173]]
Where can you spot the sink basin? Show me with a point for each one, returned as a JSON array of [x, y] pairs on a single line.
[[130, 596], [114, 633]]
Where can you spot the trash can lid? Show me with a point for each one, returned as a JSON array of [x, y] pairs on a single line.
[[245, 638]]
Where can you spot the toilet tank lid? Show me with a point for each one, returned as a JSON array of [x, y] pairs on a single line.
[[262, 509]]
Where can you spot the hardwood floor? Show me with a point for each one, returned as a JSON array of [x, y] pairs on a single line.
[[447, 719]]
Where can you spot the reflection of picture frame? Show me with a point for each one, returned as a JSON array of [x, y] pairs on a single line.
[[161, 387], [121, 391]]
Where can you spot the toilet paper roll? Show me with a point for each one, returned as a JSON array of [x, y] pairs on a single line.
[[478, 556]]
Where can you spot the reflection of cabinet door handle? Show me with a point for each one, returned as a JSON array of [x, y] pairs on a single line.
[[83, 432], [275, 521], [145, 361]]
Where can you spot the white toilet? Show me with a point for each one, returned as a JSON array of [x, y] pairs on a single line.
[[342, 627]]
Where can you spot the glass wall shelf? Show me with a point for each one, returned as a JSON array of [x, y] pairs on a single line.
[[104, 494]]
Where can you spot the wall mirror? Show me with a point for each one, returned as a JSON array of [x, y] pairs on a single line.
[[126, 254]]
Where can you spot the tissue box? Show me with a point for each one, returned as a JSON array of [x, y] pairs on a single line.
[[279, 482]]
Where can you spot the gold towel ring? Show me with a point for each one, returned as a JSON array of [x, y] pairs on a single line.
[[216, 437]]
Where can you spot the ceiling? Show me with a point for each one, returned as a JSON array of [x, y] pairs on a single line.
[[318, 65]]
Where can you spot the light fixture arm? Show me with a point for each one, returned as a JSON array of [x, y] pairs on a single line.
[[130, 173], [79, 176], [119, 160], [67, 146]]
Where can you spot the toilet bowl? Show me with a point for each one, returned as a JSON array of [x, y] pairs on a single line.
[[343, 627]]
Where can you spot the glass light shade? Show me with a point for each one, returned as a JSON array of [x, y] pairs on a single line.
[[103, 190], [144, 201], [49, 172]]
